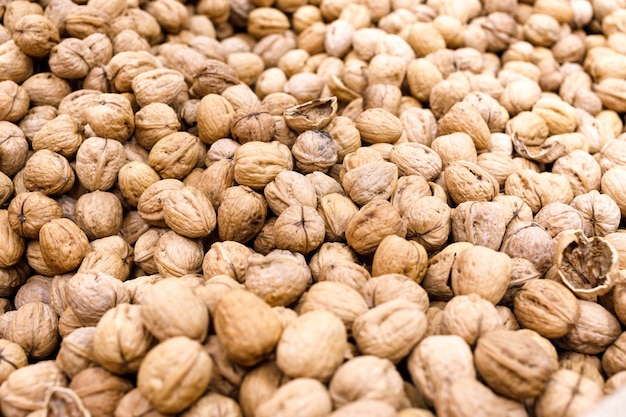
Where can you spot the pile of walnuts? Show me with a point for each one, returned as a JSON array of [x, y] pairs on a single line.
[[264, 208]]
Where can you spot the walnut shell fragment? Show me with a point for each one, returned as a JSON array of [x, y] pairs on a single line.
[[589, 267]]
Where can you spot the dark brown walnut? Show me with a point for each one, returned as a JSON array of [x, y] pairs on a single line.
[[513, 364], [35, 328], [246, 326], [90, 294], [546, 307], [390, 330], [227, 258], [27, 388], [121, 340], [174, 374], [241, 214], [48, 172], [315, 114], [99, 390], [568, 393], [98, 162], [299, 229], [29, 211], [176, 155], [589, 267], [371, 224], [595, 329], [170, 308], [76, 352], [437, 361], [12, 357], [280, 278], [175, 255], [63, 244]]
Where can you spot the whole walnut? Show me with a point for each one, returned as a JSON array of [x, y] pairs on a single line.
[[483, 271], [66, 257], [241, 214], [299, 229], [189, 212], [35, 328], [258, 163], [15, 358], [90, 294], [300, 395], [99, 214], [29, 211], [401, 256], [174, 374], [312, 346], [99, 390], [170, 308], [279, 278], [121, 339], [376, 331], [227, 258], [76, 352], [384, 382], [176, 255], [371, 224], [27, 388], [246, 326]]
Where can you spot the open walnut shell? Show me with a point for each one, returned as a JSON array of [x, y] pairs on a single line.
[[311, 115], [588, 266]]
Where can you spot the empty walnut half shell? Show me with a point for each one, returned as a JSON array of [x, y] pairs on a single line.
[[588, 266], [311, 115]]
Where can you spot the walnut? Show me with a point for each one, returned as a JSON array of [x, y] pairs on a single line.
[[156, 374], [401, 256], [483, 271], [375, 331], [300, 229], [48, 172], [312, 346], [176, 155], [98, 162], [121, 339], [27, 388], [14, 358], [246, 326], [188, 212], [471, 317], [241, 214], [312, 399], [546, 307], [371, 224], [595, 329], [99, 390], [568, 391], [466, 181], [99, 214], [530, 241], [279, 279], [249, 125], [66, 257], [258, 163], [314, 150], [289, 188], [76, 352], [340, 299], [375, 180], [91, 294], [35, 328], [347, 386], [176, 255]]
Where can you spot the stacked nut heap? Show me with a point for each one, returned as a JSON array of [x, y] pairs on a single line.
[[341, 208]]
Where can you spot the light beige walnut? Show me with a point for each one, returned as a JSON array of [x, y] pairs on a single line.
[[176, 155], [241, 214], [471, 317], [390, 330], [174, 374], [63, 244], [296, 396], [371, 224], [176, 255], [383, 382], [390, 287], [34, 327], [188, 212], [246, 326], [513, 364], [258, 163], [98, 162], [299, 229], [279, 278], [340, 299], [227, 258], [375, 180], [483, 271], [401, 256], [466, 181], [312, 346]]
